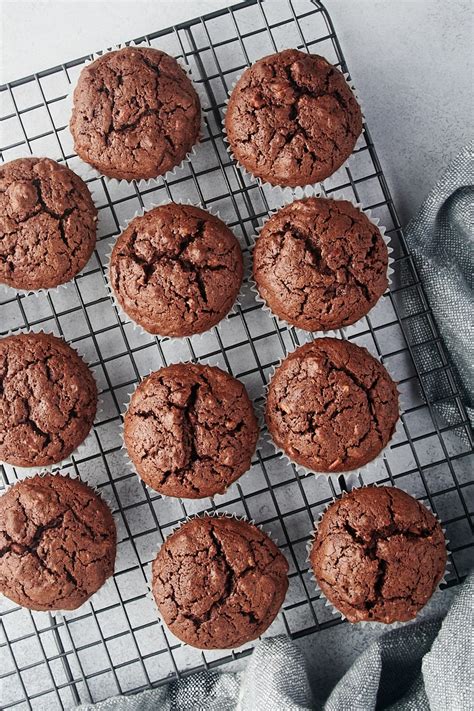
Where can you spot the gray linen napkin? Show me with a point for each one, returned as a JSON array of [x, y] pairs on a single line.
[[423, 666], [441, 240]]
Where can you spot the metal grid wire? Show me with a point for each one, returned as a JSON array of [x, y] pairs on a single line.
[[115, 644]]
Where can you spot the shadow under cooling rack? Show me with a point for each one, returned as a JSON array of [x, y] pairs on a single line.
[[115, 644]]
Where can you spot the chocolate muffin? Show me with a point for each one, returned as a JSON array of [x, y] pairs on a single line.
[[320, 264], [48, 400], [292, 119], [378, 555], [219, 582], [331, 406], [58, 543], [190, 430], [47, 224], [136, 114], [176, 270]]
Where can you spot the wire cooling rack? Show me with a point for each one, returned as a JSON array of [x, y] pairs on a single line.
[[115, 644]]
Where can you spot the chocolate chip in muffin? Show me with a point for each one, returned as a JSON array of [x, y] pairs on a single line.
[[47, 224], [136, 114], [292, 119], [48, 400], [190, 430], [378, 555], [320, 264], [219, 582], [331, 406], [57, 541], [176, 270]]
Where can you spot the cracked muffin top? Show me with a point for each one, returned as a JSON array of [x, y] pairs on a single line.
[[176, 270], [190, 430], [378, 555], [136, 114], [320, 264], [292, 119], [219, 582], [48, 224], [331, 406], [58, 543], [48, 400]]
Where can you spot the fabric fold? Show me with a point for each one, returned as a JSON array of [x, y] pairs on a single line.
[[441, 241], [424, 666]]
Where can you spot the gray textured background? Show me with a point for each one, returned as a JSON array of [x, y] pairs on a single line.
[[411, 62]]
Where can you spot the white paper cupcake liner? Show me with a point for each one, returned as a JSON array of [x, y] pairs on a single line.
[[373, 467], [259, 409], [22, 472], [42, 472], [88, 172], [6, 288], [150, 596], [302, 194], [280, 188], [373, 624], [125, 318]]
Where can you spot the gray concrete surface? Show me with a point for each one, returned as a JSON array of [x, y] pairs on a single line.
[[412, 63]]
